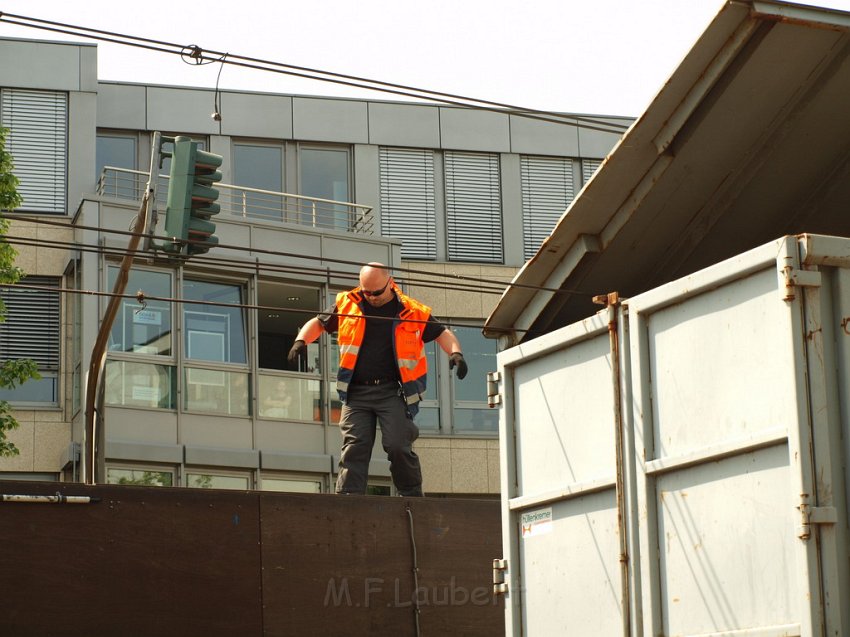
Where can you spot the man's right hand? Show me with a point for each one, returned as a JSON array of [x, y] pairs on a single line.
[[299, 347]]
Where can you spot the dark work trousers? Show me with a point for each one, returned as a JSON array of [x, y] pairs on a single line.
[[366, 406]]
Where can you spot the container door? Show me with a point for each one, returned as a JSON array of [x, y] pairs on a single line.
[[562, 540], [723, 436]]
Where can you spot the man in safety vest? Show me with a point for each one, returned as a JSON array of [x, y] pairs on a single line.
[[382, 369]]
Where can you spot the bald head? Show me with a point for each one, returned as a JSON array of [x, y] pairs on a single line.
[[376, 277]]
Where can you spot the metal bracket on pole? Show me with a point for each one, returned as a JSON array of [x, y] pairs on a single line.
[[153, 176]]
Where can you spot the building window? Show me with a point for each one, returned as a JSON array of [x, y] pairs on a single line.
[[473, 207], [293, 484], [140, 385], [428, 418], [214, 334], [470, 412], [148, 477], [324, 174], [143, 329], [32, 330], [38, 141], [117, 150], [258, 166], [547, 190], [201, 479], [289, 398], [408, 209]]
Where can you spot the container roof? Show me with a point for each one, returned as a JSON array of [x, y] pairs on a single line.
[[748, 140]]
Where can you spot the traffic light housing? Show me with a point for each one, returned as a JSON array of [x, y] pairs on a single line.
[[191, 199]]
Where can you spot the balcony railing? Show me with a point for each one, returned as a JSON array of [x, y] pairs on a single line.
[[250, 203]]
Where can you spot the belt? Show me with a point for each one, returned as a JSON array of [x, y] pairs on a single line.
[[374, 381]]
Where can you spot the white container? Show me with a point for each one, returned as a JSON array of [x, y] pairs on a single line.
[[678, 463]]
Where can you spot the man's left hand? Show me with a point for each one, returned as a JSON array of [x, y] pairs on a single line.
[[456, 359]]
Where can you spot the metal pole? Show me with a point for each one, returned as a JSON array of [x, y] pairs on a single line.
[[98, 357], [612, 302]]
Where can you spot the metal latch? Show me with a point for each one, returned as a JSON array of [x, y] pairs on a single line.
[[500, 587], [813, 515], [494, 398]]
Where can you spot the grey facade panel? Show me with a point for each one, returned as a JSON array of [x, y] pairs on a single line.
[[594, 143], [121, 106], [246, 458], [308, 462], [534, 137], [251, 115], [323, 120], [142, 452], [462, 129], [178, 110], [42, 65], [404, 125]]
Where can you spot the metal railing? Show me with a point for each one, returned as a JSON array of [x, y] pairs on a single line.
[[250, 203]]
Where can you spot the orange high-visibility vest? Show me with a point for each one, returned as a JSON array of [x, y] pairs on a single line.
[[407, 343]]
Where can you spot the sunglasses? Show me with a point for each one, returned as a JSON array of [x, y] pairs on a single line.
[[376, 292]]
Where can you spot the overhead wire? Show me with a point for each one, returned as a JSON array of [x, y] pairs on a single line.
[[325, 259], [141, 297], [209, 55]]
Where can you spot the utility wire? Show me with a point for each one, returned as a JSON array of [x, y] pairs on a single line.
[[200, 55], [233, 264], [451, 276], [142, 298]]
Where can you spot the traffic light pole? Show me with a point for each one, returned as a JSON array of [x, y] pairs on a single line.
[[95, 439]]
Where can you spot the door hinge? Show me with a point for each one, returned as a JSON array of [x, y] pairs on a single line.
[[494, 398], [810, 515], [500, 586], [803, 278]]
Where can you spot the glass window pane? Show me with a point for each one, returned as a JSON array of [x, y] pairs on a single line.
[[324, 175], [428, 418], [287, 398], [432, 382], [258, 167], [213, 333], [480, 356], [476, 419], [117, 151], [216, 391], [143, 330], [144, 477], [212, 481], [133, 384], [41, 391], [291, 485]]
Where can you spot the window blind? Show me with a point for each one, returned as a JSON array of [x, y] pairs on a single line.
[[38, 141], [407, 200], [547, 190], [473, 207], [32, 325]]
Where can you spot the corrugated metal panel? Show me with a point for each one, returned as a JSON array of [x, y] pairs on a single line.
[[473, 207], [38, 141], [547, 190], [588, 167], [31, 328], [408, 210]]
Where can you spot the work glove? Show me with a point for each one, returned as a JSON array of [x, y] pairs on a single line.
[[299, 348], [457, 359]]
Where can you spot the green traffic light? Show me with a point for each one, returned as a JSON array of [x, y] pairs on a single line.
[[191, 199]]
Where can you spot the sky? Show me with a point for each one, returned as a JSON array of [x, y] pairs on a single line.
[[605, 57]]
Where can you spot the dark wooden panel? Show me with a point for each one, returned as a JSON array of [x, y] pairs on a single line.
[[156, 561], [338, 565], [143, 561]]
